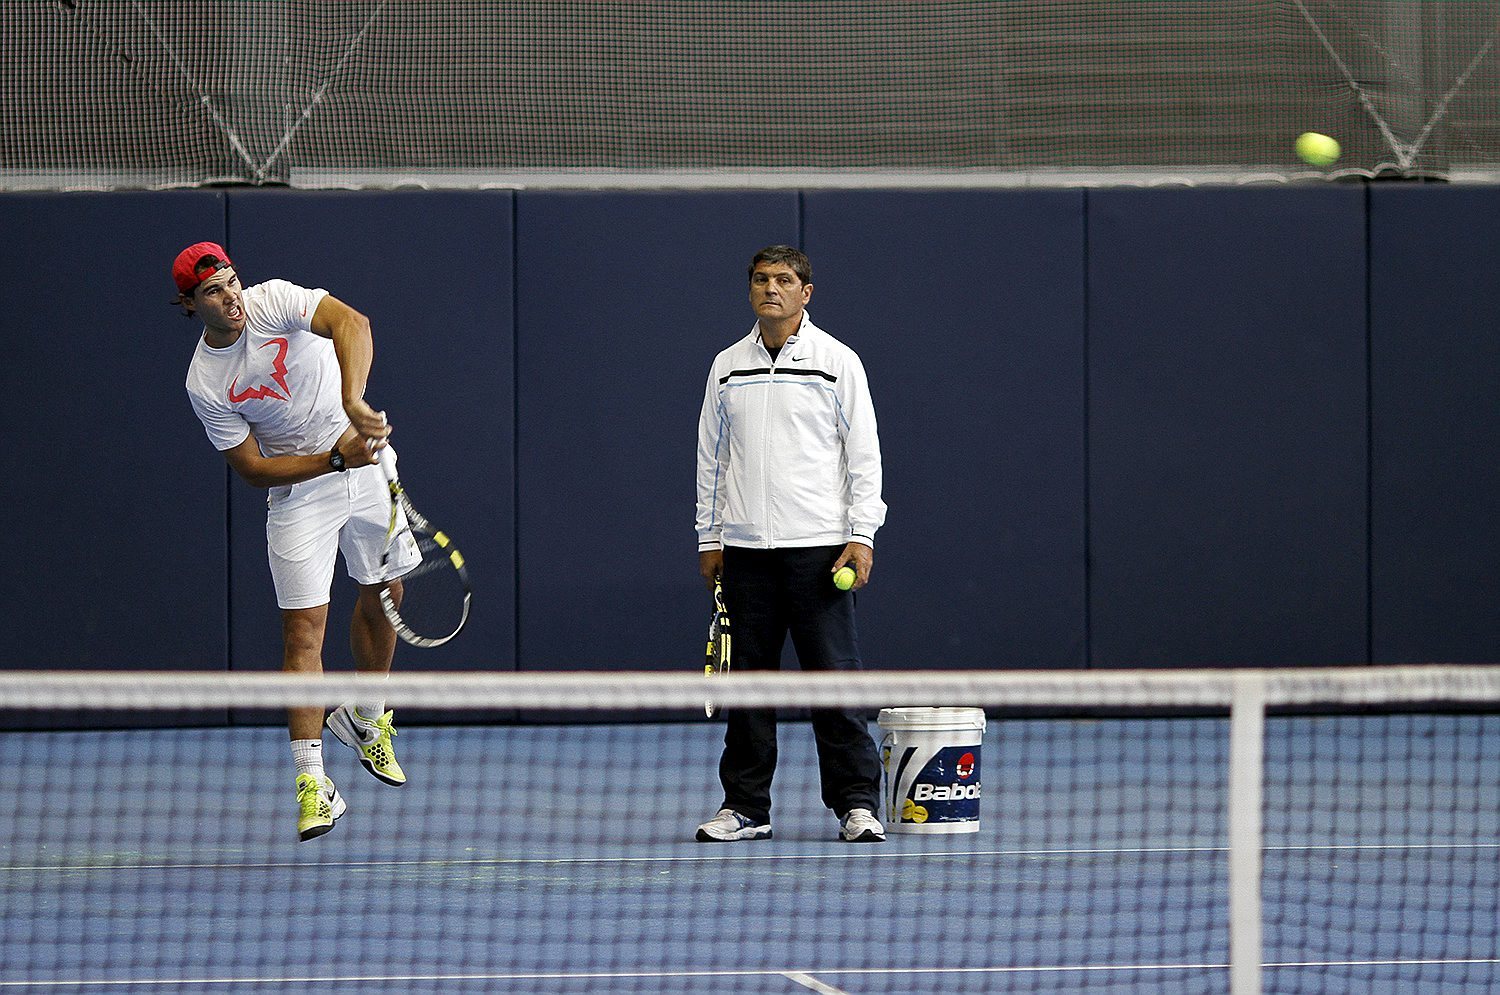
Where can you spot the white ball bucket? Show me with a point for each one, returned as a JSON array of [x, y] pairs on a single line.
[[931, 760]]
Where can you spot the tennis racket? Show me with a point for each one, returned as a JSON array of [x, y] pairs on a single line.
[[435, 594], [718, 643]]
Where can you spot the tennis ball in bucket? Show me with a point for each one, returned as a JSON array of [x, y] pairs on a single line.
[[1316, 149], [844, 579]]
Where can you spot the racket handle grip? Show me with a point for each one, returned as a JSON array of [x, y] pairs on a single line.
[[387, 466]]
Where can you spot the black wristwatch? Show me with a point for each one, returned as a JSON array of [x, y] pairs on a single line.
[[336, 460]]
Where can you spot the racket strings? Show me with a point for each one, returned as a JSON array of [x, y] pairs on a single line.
[[431, 604], [434, 599], [434, 557]]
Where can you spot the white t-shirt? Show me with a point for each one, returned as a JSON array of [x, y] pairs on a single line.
[[279, 379]]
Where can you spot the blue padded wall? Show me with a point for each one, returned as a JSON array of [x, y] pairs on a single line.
[[117, 550], [967, 309], [432, 272], [1174, 387], [1435, 367], [1227, 429], [624, 299]]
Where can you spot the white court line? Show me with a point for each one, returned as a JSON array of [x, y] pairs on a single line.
[[785, 973], [1290, 847], [808, 981], [720, 857]]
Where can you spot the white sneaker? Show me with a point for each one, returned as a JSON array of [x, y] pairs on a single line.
[[859, 825], [729, 826]]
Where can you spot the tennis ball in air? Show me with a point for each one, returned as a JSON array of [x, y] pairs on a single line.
[[1319, 150], [844, 579]]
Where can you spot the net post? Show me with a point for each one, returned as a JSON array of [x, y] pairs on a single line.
[[1247, 715]]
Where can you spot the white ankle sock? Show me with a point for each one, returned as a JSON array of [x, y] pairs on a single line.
[[371, 710], [308, 755]]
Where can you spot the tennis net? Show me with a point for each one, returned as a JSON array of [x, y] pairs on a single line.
[[1308, 830]]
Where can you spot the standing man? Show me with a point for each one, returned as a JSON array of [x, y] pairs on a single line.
[[278, 380], [789, 492]]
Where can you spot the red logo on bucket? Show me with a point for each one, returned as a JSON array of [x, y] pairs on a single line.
[[965, 766]]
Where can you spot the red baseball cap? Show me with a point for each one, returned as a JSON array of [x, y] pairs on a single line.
[[197, 263]]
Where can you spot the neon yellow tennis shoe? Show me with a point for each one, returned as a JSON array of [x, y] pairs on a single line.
[[319, 806], [371, 739]]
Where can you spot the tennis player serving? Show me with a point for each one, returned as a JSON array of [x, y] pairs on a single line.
[[278, 380]]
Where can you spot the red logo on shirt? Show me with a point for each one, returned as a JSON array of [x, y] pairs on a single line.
[[278, 373]]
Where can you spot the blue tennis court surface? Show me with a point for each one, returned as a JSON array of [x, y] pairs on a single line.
[[560, 858]]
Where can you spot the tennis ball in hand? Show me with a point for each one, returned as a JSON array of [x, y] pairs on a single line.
[[844, 579], [1316, 149]]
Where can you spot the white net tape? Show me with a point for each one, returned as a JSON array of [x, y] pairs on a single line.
[[578, 691]]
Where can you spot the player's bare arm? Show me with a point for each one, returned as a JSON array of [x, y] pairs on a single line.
[[355, 348], [259, 470]]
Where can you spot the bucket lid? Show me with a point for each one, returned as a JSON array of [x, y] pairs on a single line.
[[931, 718]]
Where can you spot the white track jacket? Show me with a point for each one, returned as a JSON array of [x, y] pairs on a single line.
[[788, 453]]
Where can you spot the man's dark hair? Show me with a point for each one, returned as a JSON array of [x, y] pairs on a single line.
[[208, 265], [795, 258]]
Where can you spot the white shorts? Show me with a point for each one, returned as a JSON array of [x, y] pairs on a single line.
[[307, 524]]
